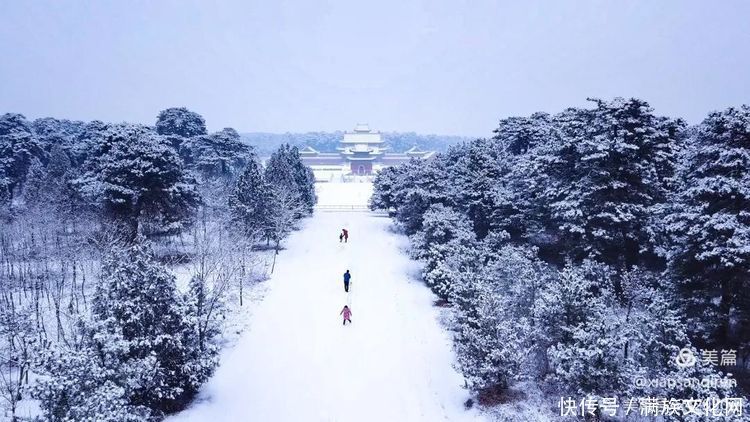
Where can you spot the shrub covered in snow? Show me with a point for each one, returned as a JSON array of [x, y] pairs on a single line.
[[145, 349]]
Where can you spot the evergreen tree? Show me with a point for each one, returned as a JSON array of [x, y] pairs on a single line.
[[519, 135], [251, 200], [285, 171], [610, 167], [442, 225], [588, 191], [34, 191], [493, 297], [59, 165], [444, 232], [424, 186], [220, 154], [579, 326], [61, 133], [475, 172], [305, 180], [384, 186], [49, 187], [138, 180], [145, 352], [18, 150], [518, 206], [279, 168], [79, 385], [88, 141], [179, 121], [709, 224], [137, 305]]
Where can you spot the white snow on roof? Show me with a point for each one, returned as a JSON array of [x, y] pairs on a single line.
[[362, 127]]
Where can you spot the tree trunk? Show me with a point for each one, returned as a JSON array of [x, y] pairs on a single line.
[[276, 252], [725, 307]]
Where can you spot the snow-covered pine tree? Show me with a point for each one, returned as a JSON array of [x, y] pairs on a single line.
[[518, 205], [285, 171], [409, 212], [139, 182], [220, 154], [88, 142], [444, 232], [423, 184], [709, 224], [610, 167], [34, 190], [396, 188], [78, 385], [143, 353], [578, 326], [59, 165], [52, 132], [442, 225], [474, 170], [305, 180], [384, 185], [181, 122], [49, 187], [489, 349], [518, 135], [280, 169], [18, 149], [656, 332], [493, 296], [251, 201], [138, 310]]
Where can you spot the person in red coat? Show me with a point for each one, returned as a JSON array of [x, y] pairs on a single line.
[[347, 313], [345, 233]]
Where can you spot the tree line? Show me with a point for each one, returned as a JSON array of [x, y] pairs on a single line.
[[96, 220], [584, 249]]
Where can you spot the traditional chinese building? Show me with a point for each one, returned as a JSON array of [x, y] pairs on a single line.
[[362, 151]]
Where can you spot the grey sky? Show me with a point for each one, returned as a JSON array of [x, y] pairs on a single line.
[[450, 67]]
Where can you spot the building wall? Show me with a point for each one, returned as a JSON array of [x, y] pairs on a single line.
[[361, 167]]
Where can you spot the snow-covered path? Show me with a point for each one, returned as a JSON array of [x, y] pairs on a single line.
[[297, 362]]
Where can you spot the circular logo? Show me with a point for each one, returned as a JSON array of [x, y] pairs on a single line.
[[685, 358]]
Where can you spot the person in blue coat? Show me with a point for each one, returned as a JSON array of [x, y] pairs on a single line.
[[347, 277]]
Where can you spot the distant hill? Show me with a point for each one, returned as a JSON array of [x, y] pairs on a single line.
[[265, 143]]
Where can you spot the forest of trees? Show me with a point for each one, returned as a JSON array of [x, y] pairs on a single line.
[[577, 251], [585, 249], [96, 220]]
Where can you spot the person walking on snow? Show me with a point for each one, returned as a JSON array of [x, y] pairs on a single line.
[[345, 233], [341, 237], [347, 277], [347, 313]]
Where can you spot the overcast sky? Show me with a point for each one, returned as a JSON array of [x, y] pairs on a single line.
[[448, 67]]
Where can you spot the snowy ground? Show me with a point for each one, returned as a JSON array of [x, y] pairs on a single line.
[[296, 362], [332, 194]]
